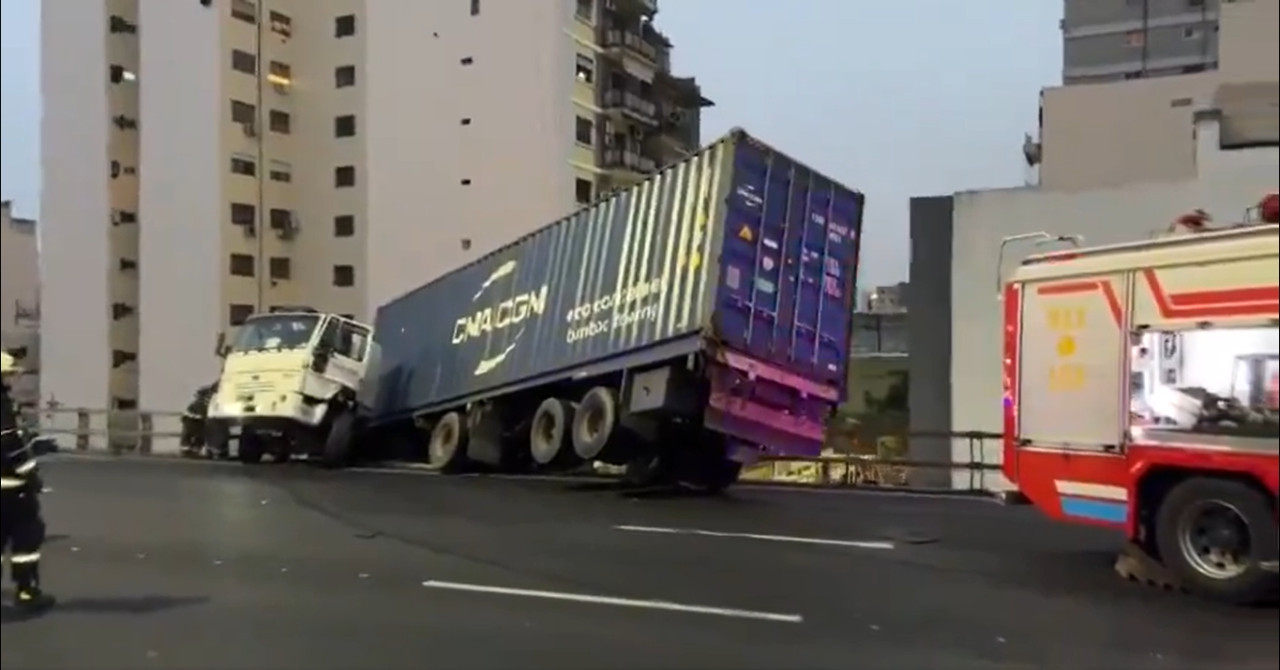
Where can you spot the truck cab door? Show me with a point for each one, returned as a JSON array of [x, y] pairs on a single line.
[[347, 352]]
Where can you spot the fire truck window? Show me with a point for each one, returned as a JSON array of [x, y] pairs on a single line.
[[1212, 381]]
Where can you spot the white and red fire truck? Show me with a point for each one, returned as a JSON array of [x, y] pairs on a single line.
[[1140, 393]]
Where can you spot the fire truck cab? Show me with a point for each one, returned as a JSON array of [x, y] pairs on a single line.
[[1140, 393]]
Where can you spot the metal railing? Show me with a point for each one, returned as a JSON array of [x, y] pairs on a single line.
[[878, 459]]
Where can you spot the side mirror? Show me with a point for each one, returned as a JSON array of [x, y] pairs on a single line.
[[220, 349]]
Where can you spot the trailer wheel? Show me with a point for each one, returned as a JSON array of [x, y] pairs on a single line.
[[337, 441], [1217, 535], [251, 447], [448, 447], [594, 422], [550, 434]]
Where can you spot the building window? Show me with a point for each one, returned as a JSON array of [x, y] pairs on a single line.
[[1192, 33], [238, 313], [475, 7], [344, 275], [466, 121], [124, 404], [118, 25], [244, 10], [243, 214], [279, 122], [582, 191], [280, 74], [585, 70], [128, 264], [281, 172], [244, 165], [468, 60], [243, 61], [586, 10], [344, 26], [344, 225], [120, 357], [585, 131], [279, 267], [344, 176], [118, 74], [344, 126], [281, 219], [242, 265], [1135, 38], [243, 112], [281, 24], [344, 76]]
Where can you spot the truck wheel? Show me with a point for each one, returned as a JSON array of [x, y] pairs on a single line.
[[594, 422], [1216, 535], [448, 447], [653, 469], [217, 439], [550, 441], [716, 475], [337, 442], [251, 447]]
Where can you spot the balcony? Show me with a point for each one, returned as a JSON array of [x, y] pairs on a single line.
[[627, 160], [618, 42], [632, 105]]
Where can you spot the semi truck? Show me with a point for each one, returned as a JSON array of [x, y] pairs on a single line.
[[677, 329], [1140, 394]]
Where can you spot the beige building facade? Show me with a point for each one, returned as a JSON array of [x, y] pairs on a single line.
[[242, 155], [20, 302]]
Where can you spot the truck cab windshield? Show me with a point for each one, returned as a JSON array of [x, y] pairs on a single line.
[[274, 332]]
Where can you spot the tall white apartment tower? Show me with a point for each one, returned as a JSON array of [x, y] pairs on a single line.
[[206, 159]]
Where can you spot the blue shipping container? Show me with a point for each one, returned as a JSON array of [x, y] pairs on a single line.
[[739, 251]]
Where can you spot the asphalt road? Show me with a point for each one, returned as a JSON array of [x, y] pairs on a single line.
[[164, 564]]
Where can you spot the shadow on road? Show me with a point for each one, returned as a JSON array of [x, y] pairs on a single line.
[[131, 605]]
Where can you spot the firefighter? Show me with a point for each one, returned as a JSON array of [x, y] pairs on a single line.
[[20, 486], [193, 422]]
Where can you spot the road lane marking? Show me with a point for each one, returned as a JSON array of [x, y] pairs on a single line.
[[860, 544], [616, 602]]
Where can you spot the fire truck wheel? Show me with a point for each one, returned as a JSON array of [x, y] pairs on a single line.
[[1215, 535]]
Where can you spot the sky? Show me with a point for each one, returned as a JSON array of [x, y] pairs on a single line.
[[895, 99]]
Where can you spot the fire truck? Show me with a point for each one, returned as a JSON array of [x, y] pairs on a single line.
[[1140, 394]]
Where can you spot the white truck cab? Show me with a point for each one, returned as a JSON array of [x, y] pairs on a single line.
[[294, 382]]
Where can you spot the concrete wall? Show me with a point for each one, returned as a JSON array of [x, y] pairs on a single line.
[[75, 213], [1228, 183], [929, 326]]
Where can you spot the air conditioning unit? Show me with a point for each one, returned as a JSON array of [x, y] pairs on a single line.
[[250, 128]]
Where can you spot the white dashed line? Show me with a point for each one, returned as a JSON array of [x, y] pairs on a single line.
[[860, 544], [617, 602]]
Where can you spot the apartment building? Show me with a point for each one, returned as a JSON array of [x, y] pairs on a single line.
[[207, 159], [20, 302], [1110, 40], [1114, 132]]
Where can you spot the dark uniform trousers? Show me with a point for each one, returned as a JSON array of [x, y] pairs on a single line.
[[20, 486]]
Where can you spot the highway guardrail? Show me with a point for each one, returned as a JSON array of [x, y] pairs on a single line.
[[880, 462]]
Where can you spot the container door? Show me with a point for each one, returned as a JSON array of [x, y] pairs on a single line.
[[789, 264]]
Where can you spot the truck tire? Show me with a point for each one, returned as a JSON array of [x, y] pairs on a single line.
[[337, 441], [447, 449], [251, 447], [1215, 535], [217, 439], [550, 434], [647, 470], [595, 422]]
